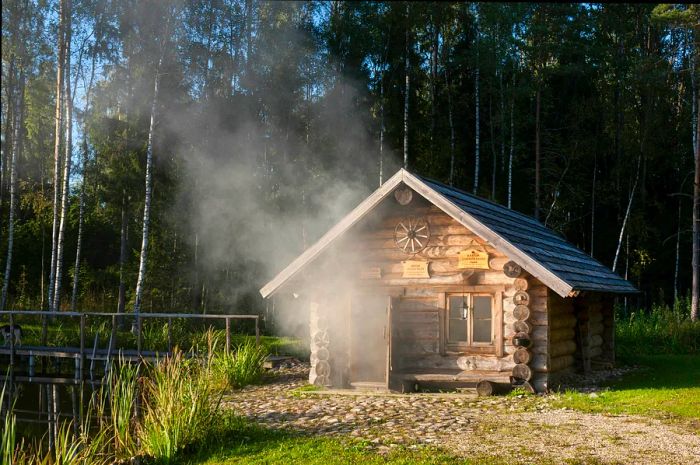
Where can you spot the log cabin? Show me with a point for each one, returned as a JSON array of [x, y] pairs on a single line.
[[424, 285]]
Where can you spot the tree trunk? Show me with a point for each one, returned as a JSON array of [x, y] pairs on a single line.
[[81, 210], [58, 132], [9, 118], [696, 227], [433, 84], [452, 126], [537, 150], [66, 162], [493, 150], [16, 152], [512, 144], [381, 130], [595, 171], [627, 214], [678, 255], [407, 89], [149, 188], [477, 136]]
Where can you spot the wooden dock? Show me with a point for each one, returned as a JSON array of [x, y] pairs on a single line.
[[82, 355]]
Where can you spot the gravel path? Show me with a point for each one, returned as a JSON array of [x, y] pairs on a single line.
[[525, 430]]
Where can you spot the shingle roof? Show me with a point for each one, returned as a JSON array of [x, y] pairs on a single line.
[[537, 249], [569, 263]]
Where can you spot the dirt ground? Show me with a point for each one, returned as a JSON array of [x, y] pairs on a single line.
[[526, 430]]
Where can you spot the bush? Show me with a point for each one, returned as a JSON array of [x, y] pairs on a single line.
[[243, 366]]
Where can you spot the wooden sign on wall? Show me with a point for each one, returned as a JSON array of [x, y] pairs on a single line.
[[473, 258], [415, 269], [374, 272]]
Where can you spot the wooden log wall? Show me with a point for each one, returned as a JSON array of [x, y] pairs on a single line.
[[562, 336], [418, 342], [596, 327]]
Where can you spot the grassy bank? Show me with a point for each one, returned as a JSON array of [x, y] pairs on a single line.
[[156, 412], [249, 444], [665, 345]]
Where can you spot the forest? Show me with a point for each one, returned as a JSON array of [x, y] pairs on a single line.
[[173, 155]]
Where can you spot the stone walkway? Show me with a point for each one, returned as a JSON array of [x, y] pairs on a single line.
[[525, 430]]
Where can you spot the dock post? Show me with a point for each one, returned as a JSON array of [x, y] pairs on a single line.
[[12, 347], [257, 330], [81, 363], [228, 335]]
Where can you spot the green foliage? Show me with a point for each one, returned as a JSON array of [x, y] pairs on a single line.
[[663, 330], [180, 403], [243, 365]]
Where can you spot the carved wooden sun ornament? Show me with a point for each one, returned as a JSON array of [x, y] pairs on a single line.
[[411, 234]]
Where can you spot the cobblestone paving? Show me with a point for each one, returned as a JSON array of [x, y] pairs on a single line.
[[525, 430]]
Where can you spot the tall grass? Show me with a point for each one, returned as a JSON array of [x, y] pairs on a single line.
[[8, 437], [663, 330], [121, 395], [181, 400], [243, 366]]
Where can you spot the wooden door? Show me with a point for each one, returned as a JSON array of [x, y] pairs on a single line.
[[369, 339]]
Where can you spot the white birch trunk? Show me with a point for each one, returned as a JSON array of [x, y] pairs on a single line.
[[477, 136], [16, 148], [627, 214], [149, 189], [81, 209], [60, 242], [58, 133]]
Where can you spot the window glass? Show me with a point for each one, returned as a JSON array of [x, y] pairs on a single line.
[[482, 319], [457, 325], [458, 330], [456, 304]]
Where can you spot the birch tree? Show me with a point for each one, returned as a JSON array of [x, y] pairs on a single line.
[[81, 199], [149, 180], [68, 146], [16, 151], [58, 133]]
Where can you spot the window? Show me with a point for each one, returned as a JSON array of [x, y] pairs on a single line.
[[470, 321]]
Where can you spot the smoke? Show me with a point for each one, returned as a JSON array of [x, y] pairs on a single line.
[[256, 191]]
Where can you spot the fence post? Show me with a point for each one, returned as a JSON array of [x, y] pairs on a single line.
[[170, 336], [228, 334], [257, 330], [82, 346], [138, 334]]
